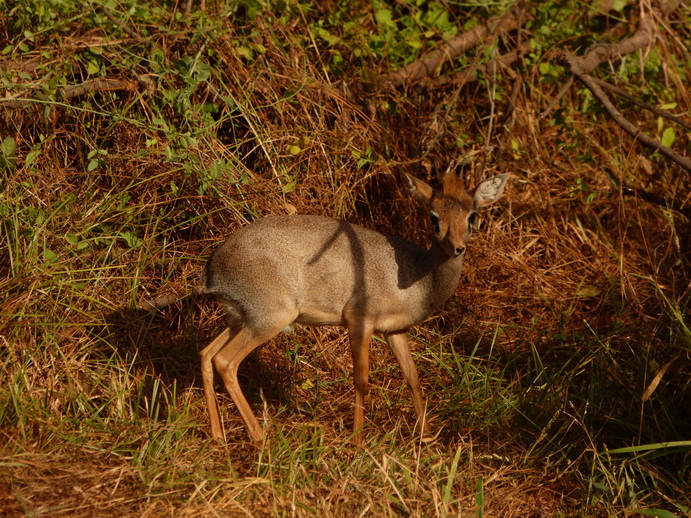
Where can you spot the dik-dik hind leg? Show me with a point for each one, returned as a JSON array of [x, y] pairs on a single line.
[[207, 355], [360, 338], [401, 350], [227, 361]]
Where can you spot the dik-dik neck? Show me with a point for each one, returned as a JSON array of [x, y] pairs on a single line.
[[436, 277], [446, 270]]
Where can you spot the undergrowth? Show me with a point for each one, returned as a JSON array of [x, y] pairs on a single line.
[[556, 379]]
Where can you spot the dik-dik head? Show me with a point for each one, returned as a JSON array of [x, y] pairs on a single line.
[[453, 210]]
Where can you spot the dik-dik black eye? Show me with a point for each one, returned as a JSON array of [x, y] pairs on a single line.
[[472, 219], [434, 218]]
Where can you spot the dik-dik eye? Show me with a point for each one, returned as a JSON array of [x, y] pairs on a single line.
[[434, 218], [472, 219]]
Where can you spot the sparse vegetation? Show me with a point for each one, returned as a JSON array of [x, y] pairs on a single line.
[[135, 136]]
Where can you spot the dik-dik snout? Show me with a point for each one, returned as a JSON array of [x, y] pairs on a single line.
[[313, 270], [452, 233]]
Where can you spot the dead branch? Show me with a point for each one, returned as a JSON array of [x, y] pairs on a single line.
[[426, 66], [644, 105], [580, 67], [470, 74], [573, 65], [96, 85], [642, 38], [602, 52]]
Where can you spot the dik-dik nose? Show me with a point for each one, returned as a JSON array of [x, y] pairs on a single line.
[[459, 250]]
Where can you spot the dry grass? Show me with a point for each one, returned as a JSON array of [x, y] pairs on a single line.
[[573, 297]]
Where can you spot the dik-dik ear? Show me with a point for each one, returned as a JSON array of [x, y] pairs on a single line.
[[421, 189], [490, 190]]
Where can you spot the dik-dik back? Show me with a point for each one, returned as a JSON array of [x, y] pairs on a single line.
[[324, 271], [314, 270]]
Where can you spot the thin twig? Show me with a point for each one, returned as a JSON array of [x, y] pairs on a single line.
[[650, 197], [119, 23], [656, 199], [553, 103]]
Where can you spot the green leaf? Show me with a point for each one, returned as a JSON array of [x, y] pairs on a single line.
[[668, 137], [618, 5], [414, 43], [601, 487], [244, 52], [8, 146], [92, 68], [202, 72], [325, 35], [384, 17], [32, 156], [651, 447], [131, 239], [545, 68]]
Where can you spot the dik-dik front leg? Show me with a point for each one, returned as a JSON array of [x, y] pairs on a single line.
[[360, 338], [401, 350]]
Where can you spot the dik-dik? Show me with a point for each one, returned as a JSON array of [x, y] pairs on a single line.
[[316, 271]]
